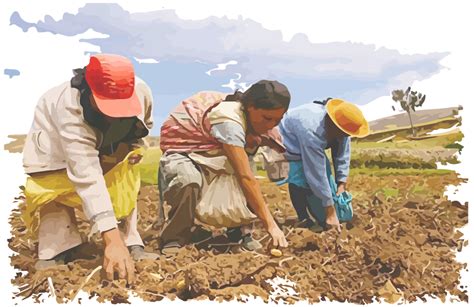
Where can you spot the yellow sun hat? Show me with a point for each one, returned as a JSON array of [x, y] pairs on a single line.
[[348, 117]]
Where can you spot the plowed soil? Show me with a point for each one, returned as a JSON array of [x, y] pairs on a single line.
[[401, 245]]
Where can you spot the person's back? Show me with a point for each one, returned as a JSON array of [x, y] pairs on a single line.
[[187, 128], [295, 123], [39, 149]]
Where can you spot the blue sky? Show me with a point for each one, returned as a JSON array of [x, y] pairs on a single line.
[[184, 50]]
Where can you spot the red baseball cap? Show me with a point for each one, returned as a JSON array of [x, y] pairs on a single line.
[[111, 79]]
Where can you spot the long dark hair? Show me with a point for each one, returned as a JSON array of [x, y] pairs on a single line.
[[264, 94]]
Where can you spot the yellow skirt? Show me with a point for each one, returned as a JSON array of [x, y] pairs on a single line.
[[123, 185]]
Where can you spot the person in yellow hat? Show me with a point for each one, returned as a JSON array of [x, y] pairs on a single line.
[[307, 132]]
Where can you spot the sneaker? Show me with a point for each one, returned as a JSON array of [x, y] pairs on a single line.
[[250, 243], [247, 241], [234, 234], [200, 235], [316, 228], [138, 253]]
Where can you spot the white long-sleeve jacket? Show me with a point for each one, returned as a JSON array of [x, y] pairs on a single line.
[[60, 138]]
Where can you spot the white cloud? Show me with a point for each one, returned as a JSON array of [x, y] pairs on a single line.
[[146, 61], [233, 85], [222, 66], [91, 34]]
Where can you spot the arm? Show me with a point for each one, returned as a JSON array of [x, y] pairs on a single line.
[[239, 160], [78, 142], [232, 137], [341, 156], [314, 166], [240, 163]]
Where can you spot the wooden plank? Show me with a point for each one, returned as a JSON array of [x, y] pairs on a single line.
[[387, 139]]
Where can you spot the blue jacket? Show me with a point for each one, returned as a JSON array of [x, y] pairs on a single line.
[[304, 135]]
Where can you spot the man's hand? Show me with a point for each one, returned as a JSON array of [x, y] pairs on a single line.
[[116, 257], [134, 159], [341, 187], [278, 236], [331, 218]]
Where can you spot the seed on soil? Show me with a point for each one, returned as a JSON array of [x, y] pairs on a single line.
[[276, 252]]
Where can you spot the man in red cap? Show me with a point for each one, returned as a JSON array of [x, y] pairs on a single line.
[[81, 127]]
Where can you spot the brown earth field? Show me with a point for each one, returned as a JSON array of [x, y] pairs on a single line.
[[400, 246]]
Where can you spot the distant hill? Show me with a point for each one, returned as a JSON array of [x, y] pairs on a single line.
[[399, 124], [419, 117]]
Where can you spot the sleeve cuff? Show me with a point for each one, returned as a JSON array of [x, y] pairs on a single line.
[[327, 202], [341, 178], [105, 221]]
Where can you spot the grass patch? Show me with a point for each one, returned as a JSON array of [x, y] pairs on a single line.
[[151, 158], [399, 171], [261, 172], [389, 192], [418, 189], [149, 165], [441, 141], [457, 146]]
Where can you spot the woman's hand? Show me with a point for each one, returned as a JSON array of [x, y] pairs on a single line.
[[240, 163], [278, 237]]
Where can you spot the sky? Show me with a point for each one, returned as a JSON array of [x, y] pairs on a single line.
[[357, 50], [184, 50], [176, 48]]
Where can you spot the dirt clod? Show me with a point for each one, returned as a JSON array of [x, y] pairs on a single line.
[[398, 247]]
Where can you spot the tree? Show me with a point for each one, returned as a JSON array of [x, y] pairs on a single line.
[[409, 100]]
